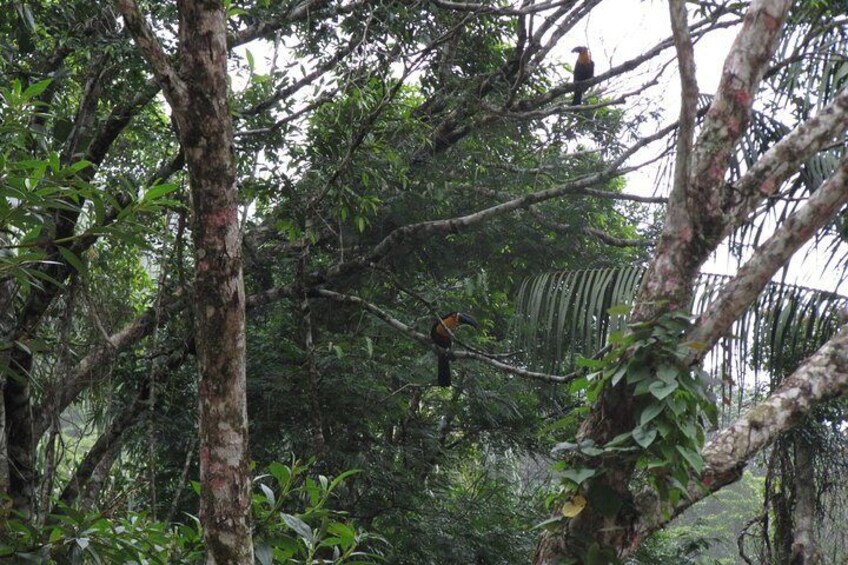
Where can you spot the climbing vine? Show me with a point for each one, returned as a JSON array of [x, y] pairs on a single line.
[[674, 407]]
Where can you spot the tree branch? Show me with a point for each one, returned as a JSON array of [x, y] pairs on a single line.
[[174, 88], [688, 90], [400, 326], [742, 290]]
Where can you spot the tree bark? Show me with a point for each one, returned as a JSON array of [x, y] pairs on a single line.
[[804, 546], [197, 95]]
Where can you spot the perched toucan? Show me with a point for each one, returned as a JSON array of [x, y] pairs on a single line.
[[441, 338], [584, 69]]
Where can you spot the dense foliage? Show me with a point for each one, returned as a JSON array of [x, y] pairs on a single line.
[[396, 161]]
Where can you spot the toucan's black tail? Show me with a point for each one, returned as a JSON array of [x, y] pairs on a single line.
[[444, 371], [578, 97]]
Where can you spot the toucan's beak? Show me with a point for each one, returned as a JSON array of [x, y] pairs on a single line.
[[466, 319]]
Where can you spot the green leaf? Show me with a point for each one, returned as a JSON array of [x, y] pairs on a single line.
[[638, 373], [650, 412], [72, 259], [694, 459], [269, 494], [644, 436], [589, 363], [35, 89], [580, 474], [619, 374], [341, 477], [264, 554], [345, 533], [280, 472], [661, 389], [668, 373], [578, 385], [300, 527], [158, 191]]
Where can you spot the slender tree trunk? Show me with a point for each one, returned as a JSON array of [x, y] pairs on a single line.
[[21, 451], [804, 547], [198, 94], [206, 131]]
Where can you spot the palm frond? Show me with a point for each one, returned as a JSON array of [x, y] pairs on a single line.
[[565, 314]]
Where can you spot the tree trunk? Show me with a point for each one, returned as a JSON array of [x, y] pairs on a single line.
[[198, 96], [804, 546], [206, 132], [21, 451]]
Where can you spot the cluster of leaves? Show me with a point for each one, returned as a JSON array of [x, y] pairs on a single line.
[[282, 533], [33, 190], [674, 405]]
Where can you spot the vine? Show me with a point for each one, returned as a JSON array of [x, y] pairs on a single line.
[[673, 409]]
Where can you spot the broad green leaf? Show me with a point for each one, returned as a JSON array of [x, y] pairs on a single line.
[[644, 436], [580, 474], [661, 389], [650, 412], [299, 526]]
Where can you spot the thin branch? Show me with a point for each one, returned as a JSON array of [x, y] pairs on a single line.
[[400, 326], [688, 90]]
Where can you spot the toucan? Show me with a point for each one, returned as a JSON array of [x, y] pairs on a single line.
[[584, 69], [441, 338]]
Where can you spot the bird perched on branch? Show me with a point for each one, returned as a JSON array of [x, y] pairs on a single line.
[[442, 338], [584, 69]]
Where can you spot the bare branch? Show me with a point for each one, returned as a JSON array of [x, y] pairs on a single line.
[[400, 326], [151, 49], [796, 230], [689, 92]]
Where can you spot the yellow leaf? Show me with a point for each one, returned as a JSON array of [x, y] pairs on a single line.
[[574, 506]]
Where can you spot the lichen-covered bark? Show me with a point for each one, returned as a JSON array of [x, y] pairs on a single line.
[[197, 94], [822, 377], [206, 132], [700, 209]]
